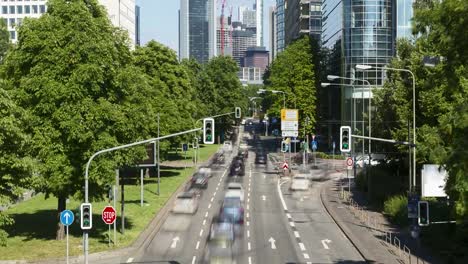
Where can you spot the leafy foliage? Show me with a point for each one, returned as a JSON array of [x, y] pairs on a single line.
[[293, 73], [4, 40]]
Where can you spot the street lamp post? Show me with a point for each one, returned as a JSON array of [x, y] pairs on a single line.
[[368, 67], [334, 77], [260, 91]]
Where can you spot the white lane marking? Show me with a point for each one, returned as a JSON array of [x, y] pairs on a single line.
[[248, 223], [129, 260], [250, 260], [198, 245], [264, 176], [206, 214], [214, 194], [296, 234], [174, 242], [248, 194], [201, 232], [272, 241], [204, 222], [248, 207], [325, 242], [263, 197], [301, 245], [212, 199], [247, 215], [194, 259], [248, 200], [281, 196], [306, 256], [291, 224], [289, 215], [248, 233], [209, 205], [249, 185], [248, 246]]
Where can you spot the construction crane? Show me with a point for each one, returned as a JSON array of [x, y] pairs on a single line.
[[230, 27], [223, 4]]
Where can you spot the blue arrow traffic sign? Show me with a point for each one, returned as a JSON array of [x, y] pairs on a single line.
[[67, 217], [314, 145]]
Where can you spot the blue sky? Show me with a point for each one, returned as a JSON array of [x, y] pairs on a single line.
[[159, 19]]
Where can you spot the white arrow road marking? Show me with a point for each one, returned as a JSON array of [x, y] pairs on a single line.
[[325, 242], [263, 197], [272, 241], [174, 242]]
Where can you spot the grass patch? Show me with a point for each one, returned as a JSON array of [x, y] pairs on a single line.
[[32, 237]]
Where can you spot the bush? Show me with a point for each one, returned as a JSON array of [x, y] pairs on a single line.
[[396, 209]]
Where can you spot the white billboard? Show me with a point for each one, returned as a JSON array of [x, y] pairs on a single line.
[[433, 181]]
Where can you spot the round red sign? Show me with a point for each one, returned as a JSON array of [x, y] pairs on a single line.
[[349, 161], [109, 215]]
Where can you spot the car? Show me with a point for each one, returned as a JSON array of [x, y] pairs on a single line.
[[237, 168], [300, 183], [186, 203], [205, 171], [232, 210], [219, 251], [221, 230], [227, 146], [260, 158], [362, 161], [199, 181], [234, 189]]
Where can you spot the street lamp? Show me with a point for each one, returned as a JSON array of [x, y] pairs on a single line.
[[368, 67], [260, 91], [334, 77]]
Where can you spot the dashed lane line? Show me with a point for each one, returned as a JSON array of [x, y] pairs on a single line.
[[194, 259], [129, 260], [296, 234], [201, 232], [301, 245], [198, 245]]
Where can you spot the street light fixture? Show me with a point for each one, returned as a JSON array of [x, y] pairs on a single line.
[[333, 77], [260, 91], [325, 84], [368, 67]]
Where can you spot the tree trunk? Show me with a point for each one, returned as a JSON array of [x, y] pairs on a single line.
[[60, 228]]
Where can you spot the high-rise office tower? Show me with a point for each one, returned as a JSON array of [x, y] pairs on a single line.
[[279, 25], [404, 13], [137, 26], [302, 17], [197, 29], [121, 14], [272, 30], [259, 21]]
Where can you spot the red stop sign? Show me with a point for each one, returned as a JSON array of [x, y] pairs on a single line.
[[108, 215]]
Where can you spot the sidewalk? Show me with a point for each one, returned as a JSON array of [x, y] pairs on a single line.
[[374, 237]]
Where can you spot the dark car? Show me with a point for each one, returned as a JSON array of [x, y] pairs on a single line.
[[199, 181], [260, 158], [237, 167]]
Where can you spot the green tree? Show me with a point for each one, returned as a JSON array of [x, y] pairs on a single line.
[[293, 72], [4, 40], [71, 70]]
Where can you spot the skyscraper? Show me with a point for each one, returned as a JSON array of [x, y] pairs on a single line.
[[197, 29], [137, 26], [273, 31], [259, 21], [279, 26], [404, 13]]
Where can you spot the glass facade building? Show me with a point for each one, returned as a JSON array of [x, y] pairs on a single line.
[[404, 14], [279, 26], [197, 30]]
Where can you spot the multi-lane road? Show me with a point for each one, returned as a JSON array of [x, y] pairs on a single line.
[[280, 225]]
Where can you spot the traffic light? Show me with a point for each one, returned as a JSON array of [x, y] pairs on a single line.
[[208, 131], [238, 112], [86, 216], [423, 213], [345, 139]]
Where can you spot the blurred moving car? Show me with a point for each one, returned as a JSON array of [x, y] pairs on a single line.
[[221, 230], [186, 203], [364, 160], [232, 210], [199, 181], [219, 251], [205, 171], [300, 183], [260, 158], [227, 146], [235, 190], [237, 167]]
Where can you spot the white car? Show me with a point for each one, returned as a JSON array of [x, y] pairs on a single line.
[[360, 161], [186, 203], [227, 146], [300, 183], [235, 189]]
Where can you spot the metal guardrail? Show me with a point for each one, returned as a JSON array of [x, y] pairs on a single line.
[[373, 224]]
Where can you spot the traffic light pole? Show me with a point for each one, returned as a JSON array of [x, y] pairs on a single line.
[[385, 140], [85, 233]]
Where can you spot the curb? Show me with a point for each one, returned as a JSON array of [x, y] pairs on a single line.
[[342, 227], [140, 243]]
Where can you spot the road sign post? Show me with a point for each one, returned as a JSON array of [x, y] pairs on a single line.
[[108, 216], [66, 218]]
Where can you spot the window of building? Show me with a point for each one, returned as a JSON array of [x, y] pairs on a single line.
[[27, 9], [19, 21], [19, 9], [4, 10], [12, 10], [5, 21], [34, 9], [12, 22], [12, 35], [42, 9]]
